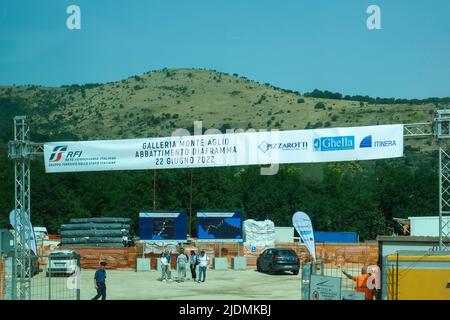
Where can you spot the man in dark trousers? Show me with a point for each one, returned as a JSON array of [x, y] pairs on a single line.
[[100, 282]]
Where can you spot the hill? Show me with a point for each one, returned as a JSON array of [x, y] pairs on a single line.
[[362, 196], [156, 103]]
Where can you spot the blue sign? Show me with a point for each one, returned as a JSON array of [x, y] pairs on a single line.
[[163, 226], [334, 143], [219, 225]]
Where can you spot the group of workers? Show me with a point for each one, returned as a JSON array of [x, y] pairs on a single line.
[[201, 261], [182, 259]]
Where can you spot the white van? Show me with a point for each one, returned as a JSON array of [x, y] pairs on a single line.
[[62, 262]]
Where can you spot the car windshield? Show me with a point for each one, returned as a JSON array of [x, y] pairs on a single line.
[[289, 253]]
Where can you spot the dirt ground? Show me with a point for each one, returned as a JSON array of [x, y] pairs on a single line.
[[227, 285]]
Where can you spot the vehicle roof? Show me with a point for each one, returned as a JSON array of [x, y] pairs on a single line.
[[62, 252], [40, 229], [279, 249]]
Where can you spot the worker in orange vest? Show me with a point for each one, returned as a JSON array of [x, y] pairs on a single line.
[[361, 283]]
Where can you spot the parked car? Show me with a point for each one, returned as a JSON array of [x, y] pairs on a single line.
[[62, 262], [274, 260]]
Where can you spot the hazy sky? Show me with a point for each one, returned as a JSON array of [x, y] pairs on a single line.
[[295, 44]]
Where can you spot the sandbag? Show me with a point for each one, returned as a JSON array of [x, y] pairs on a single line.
[[259, 233], [93, 233], [94, 226], [101, 220]]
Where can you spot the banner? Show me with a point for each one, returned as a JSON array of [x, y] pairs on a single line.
[[303, 225], [232, 149]]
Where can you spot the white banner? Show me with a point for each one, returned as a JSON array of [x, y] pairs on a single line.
[[233, 149], [303, 225]]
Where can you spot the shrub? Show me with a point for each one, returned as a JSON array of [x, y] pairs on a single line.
[[319, 105]]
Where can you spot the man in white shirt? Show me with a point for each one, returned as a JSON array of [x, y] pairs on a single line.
[[202, 266], [164, 267]]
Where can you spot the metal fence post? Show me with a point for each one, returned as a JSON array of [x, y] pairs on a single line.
[[306, 279], [49, 282], [78, 278]]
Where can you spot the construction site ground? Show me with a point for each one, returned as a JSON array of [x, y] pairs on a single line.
[[226, 285]]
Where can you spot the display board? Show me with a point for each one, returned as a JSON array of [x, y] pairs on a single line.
[[230, 149], [163, 226], [219, 225]]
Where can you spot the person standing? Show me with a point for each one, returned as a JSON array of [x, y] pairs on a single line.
[[169, 271], [100, 282], [164, 267], [193, 262], [182, 260], [361, 283], [202, 266]]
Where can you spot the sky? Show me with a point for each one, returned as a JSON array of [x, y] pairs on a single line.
[[293, 44]]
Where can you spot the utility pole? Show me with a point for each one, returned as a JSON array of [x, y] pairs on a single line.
[[154, 190], [190, 206]]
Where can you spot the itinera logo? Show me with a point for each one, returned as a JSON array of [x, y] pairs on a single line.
[[368, 143], [57, 153]]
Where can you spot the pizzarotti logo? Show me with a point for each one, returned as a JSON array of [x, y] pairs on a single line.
[[285, 146], [334, 143], [57, 153]]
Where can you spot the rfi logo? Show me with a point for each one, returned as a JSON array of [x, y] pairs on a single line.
[[57, 153]]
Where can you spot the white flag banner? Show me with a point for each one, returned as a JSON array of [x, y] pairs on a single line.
[[232, 149], [302, 223], [30, 237]]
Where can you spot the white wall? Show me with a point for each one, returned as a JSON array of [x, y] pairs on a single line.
[[284, 234], [426, 226]]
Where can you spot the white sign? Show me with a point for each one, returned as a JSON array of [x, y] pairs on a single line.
[[234, 149], [325, 288], [303, 225]]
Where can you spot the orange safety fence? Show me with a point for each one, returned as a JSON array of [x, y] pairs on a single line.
[[125, 257]]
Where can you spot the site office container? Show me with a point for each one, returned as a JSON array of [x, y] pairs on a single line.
[[416, 276]]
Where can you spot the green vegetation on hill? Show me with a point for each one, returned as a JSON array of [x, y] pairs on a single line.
[[350, 196]]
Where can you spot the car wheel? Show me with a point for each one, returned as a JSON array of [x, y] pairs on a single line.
[[258, 268], [295, 272], [271, 271]]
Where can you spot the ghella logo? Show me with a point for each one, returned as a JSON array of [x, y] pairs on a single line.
[[338, 143], [58, 152]]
